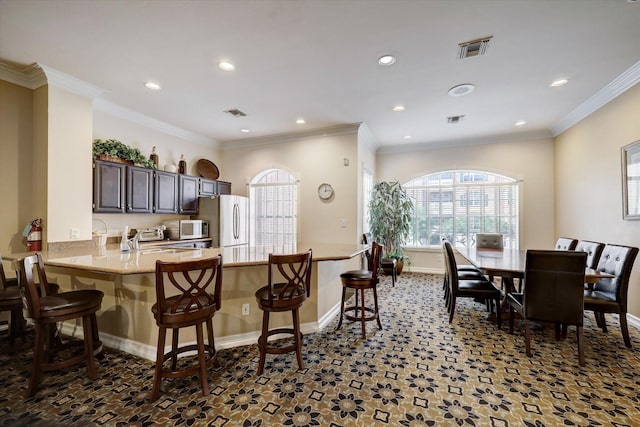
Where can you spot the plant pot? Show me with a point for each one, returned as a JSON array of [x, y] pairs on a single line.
[[399, 267]]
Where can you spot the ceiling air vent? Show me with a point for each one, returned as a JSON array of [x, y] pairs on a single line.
[[455, 119], [473, 47], [235, 112]]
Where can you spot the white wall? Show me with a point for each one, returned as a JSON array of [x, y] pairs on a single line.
[[313, 159], [589, 179], [528, 160]]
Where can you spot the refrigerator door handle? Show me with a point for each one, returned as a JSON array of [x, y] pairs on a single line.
[[236, 220]]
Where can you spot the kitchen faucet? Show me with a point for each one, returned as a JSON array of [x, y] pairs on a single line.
[[136, 240]]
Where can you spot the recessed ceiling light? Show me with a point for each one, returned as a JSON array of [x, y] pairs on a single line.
[[245, 130], [558, 83], [386, 60], [520, 123], [226, 66], [152, 85], [460, 90], [300, 121], [408, 137], [398, 108]]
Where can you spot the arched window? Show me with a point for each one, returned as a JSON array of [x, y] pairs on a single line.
[[458, 204], [273, 209]]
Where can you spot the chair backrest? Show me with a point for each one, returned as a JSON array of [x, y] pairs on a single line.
[[375, 260], [554, 286], [566, 244], [593, 250], [3, 279], [197, 283], [289, 279], [30, 289], [617, 260], [451, 268], [490, 240]]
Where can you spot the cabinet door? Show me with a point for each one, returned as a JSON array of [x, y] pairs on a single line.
[[139, 190], [108, 187], [188, 186], [224, 187], [208, 187], [166, 192]]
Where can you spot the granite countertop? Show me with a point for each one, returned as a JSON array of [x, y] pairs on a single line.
[[109, 259]]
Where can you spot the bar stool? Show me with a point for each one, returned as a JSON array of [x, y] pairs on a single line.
[[289, 287], [11, 300], [361, 280], [46, 310], [198, 286]]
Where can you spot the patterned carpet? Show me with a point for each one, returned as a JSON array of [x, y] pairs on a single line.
[[418, 370]]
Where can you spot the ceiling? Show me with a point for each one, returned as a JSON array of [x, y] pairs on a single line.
[[318, 60]]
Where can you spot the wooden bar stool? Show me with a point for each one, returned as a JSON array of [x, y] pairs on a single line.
[[289, 286], [360, 281], [46, 310], [198, 286]]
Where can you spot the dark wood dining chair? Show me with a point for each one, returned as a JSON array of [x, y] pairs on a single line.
[[566, 244], [289, 286], [188, 294], [386, 264], [471, 287], [593, 250], [361, 281], [46, 310], [610, 295], [553, 293], [465, 272], [11, 301]]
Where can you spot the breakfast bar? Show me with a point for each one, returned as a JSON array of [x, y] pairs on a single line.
[[125, 321]]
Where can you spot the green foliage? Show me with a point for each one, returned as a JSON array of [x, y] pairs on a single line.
[[390, 213], [115, 148]]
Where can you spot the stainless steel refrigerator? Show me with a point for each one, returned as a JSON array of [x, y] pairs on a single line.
[[228, 217]]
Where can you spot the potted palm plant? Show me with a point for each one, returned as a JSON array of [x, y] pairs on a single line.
[[390, 212]]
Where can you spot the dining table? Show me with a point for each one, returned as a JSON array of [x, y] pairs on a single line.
[[509, 264]]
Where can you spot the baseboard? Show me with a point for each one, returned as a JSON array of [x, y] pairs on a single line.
[[423, 270]]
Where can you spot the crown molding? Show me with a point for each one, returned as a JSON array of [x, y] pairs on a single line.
[[104, 106], [32, 77], [71, 84], [467, 142], [621, 84], [346, 129]]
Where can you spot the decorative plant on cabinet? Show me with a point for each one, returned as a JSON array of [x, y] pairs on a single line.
[[390, 212]]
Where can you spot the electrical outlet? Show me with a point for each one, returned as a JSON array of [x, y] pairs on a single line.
[[343, 222], [245, 309], [75, 233]]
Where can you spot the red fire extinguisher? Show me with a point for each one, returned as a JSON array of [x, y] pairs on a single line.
[[33, 233]]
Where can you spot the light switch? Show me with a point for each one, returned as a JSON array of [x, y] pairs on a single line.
[[75, 233], [343, 222]]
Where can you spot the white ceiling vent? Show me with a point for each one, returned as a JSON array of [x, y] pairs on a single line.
[[235, 112], [455, 119], [473, 48]]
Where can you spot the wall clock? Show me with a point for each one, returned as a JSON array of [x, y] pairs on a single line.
[[325, 191]]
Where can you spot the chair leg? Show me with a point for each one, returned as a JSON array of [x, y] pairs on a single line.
[[498, 312], [603, 322], [344, 293], [624, 329], [452, 309], [527, 337], [511, 318], [204, 383], [162, 335], [174, 347], [580, 337], [41, 334], [87, 327], [375, 305], [211, 343], [362, 314], [262, 341], [298, 338], [556, 328], [394, 273]]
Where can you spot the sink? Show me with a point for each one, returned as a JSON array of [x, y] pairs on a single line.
[[166, 250]]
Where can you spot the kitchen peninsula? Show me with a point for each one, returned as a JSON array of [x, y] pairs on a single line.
[[128, 282]]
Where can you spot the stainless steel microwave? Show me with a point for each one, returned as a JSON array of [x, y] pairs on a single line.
[[186, 229]]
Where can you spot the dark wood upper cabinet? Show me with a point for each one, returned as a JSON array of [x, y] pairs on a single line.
[[224, 187], [139, 190], [109, 187], [166, 193], [188, 195], [208, 187]]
